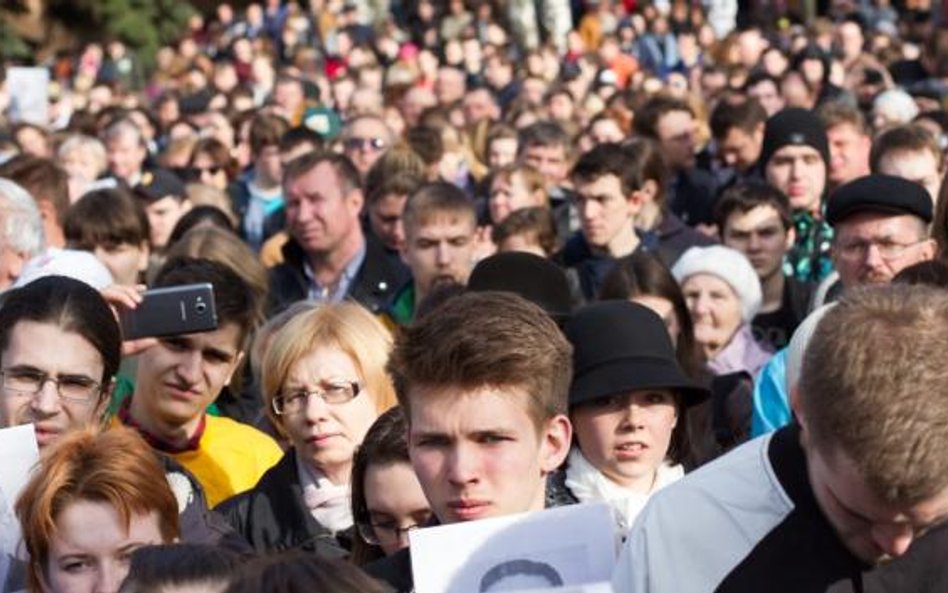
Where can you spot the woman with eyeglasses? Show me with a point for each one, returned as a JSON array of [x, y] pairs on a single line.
[[387, 499], [324, 384], [60, 347]]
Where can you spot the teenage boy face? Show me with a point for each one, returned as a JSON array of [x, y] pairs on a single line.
[[477, 452], [440, 251], [759, 234], [178, 378]]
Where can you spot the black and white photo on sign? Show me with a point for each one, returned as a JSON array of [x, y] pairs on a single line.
[[548, 549]]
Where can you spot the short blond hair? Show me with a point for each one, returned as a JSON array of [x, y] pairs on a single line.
[[873, 387], [347, 326]]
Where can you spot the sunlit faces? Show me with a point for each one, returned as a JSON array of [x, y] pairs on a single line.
[[676, 137], [849, 153], [440, 251], [319, 214], [374, 139], [741, 149], [45, 347], [268, 166], [606, 214], [605, 130], [385, 218], [326, 435], [125, 154], [509, 193], [760, 235], [919, 166], [626, 437], [502, 152], [871, 529], [396, 503], [665, 309], [767, 93], [163, 215], [715, 311], [549, 160], [178, 378], [478, 454], [210, 173], [90, 549], [872, 247], [800, 173]]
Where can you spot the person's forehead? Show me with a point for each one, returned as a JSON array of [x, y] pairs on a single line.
[[443, 225], [760, 216], [796, 151], [370, 126], [456, 408], [547, 151], [606, 183], [908, 160], [843, 129]]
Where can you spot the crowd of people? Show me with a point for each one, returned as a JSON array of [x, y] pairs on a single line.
[[477, 258]]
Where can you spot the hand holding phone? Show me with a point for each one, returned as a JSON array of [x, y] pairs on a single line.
[[171, 311]]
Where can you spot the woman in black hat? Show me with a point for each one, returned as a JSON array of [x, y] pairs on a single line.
[[627, 402]]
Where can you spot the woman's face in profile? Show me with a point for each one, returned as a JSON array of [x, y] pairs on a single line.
[[91, 549], [396, 504]]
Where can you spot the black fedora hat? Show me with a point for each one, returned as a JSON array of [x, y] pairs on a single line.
[[620, 346], [535, 278]]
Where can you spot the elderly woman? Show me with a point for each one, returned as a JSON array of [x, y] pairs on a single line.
[[324, 384], [723, 295]]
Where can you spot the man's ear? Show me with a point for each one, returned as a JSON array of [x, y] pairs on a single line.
[[236, 365], [791, 238], [795, 406], [555, 443], [144, 251], [647, 192], [358, 199], [104, 400]]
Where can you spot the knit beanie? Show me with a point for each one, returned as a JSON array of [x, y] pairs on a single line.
[[794, 126], [727, 264]]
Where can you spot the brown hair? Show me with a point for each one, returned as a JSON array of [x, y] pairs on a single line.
[[940, 222], [433, 199], [872, 387], [346, 172], [910, 137], [486, 339], [834, 113], [266, 129], [115, 467], [106, 217], [302, 572], [346, 326], [43, 178], [537, 221]]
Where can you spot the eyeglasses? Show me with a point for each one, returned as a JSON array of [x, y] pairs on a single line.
[[888, 250], [331, 393], [72, 388], [377, 533], [357, 143]]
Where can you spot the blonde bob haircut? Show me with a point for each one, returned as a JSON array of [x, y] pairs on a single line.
[[115, 467], [346, 326]]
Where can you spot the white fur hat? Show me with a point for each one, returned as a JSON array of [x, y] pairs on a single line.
[[727, 264], [79, 265]]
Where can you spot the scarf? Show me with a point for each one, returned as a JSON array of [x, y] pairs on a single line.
[[588, 484], [327, 502]]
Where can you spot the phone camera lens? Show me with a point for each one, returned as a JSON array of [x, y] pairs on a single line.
[[200, 308]]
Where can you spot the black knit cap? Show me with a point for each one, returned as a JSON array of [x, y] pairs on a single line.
[[794, 126], [620, 346], [879, 193], [535, 278]]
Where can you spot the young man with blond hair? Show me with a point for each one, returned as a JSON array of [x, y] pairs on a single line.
[[851, 497]]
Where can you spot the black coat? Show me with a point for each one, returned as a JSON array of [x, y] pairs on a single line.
[[272, 516], [374, 284]]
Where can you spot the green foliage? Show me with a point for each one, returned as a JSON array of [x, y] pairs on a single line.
[[143, 25], [12, 46]]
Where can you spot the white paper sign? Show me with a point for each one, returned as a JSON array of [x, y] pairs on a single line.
[[605, 587], [18, 454], [29, 95], [565, 546]]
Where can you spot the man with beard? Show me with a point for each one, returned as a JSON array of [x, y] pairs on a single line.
[[439, 224]]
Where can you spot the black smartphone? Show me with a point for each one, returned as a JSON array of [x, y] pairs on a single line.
[[171, 311]]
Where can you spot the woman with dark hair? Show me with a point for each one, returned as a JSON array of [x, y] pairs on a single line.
[[387, 500], [627, 404], [302, 572], [60, 348], [642, 278], [179, 568]]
